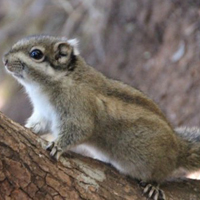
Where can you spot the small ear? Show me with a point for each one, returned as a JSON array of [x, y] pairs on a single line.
[[74, 44], [62, 52], [62, 48]]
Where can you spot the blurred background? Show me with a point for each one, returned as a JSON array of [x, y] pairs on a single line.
[[153, 45]]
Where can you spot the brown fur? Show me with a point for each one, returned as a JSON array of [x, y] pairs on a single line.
[[112, 118]]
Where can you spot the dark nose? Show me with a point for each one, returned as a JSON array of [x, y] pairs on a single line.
[[5, 62], [5, 59]]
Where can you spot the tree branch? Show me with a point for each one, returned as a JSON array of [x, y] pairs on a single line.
[[28, 172]]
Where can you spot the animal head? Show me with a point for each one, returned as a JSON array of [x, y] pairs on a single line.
[[41, 56]]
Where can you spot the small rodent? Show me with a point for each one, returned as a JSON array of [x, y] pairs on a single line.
[[83, 109]]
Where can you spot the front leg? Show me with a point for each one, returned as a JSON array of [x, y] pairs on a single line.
[[71, 134], [37, 124]]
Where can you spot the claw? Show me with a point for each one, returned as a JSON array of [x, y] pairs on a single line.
[[50, 146], [55, 151], [156, 196], [161, 195], [147, 188], [58, 154], [152, 191]]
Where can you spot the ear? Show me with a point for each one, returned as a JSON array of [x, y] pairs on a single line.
[[62, 51]]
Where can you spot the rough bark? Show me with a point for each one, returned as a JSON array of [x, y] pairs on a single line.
[[28, 172]]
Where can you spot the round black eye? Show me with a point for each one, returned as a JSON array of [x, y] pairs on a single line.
[[36, 54]]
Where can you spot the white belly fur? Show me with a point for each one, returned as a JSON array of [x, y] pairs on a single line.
[[92, 152]]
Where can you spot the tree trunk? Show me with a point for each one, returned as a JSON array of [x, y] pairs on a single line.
[[28, 172]]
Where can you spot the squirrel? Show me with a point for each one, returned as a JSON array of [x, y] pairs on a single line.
[[84, 109]]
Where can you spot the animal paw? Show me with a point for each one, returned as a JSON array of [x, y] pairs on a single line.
[[55, 150], [36, 127], [152, 191]]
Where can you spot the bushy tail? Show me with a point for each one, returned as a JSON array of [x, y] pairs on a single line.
[[189, 148]]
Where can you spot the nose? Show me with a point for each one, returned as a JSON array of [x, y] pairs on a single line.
[[5, 59], [5, 62]]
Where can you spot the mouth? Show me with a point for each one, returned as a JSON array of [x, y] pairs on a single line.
[[15, 70], [18, 75]]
